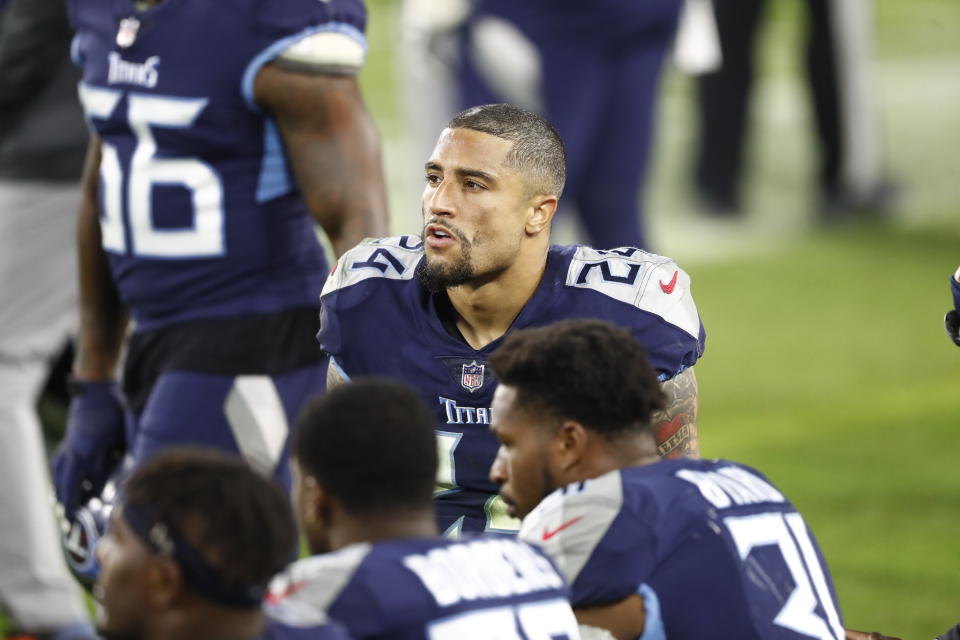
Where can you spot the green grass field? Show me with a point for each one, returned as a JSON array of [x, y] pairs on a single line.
[[827, 366]]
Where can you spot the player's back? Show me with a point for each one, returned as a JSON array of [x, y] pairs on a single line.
[[425, 589], [200, 214], [712, 546]]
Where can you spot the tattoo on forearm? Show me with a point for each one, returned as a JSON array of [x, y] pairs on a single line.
[[675, 428]]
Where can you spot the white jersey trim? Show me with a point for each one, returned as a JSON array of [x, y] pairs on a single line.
[[570, 522], [393, 258], [301, 595], [645, 280], [285, 44]]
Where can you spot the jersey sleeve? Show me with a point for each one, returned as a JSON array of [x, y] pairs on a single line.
[[298, 600], [657, 302], [354, 298], [310, 35], [603, 553]]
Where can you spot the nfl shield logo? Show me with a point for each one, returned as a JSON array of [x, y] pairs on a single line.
[[472, 377]]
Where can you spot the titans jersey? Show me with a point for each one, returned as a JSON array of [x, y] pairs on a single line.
[[376, 319], [200, 215], [424, 589], [714, 549]]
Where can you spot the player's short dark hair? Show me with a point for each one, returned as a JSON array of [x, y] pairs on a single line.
[[537, 151], [370, 443], [584, 370], [239, 521]]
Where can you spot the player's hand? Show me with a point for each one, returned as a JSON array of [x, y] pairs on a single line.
[[867, 635], [93, 445]]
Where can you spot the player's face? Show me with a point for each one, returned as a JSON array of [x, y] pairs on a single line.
[[121, 586], [522, 466], [474, 209]]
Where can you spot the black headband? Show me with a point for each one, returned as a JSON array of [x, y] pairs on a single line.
[[164, 539]]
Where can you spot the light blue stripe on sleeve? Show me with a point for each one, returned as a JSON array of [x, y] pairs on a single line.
[[274, 180], [653, 628], [271, 52]]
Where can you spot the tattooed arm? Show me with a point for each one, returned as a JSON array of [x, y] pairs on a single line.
[[334, 377], [675, 427]]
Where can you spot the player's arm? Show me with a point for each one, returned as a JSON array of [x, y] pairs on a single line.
[[333, 148], [335, 377], [852, 634], [624, 620], [675, 428], [103, 316]]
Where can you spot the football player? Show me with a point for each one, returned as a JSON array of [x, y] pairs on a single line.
[[952, 320], [220, 136], [664, 548], [364, 463], [42, 143], [429, 310], [190, 550]]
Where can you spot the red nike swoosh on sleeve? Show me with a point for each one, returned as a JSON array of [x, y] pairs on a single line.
[[668, 288], [547, 534]]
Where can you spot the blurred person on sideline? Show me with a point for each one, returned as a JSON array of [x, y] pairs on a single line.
[[952, 319], [220, 138], [850, 180], [592, 69], [190, 550], [483, 267], [42, 143], [651, 547], [365, 460]]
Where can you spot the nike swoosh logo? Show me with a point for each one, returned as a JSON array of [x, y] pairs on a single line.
[[668, 288], [569, 523]]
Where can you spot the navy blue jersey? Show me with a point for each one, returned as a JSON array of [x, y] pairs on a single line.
[[376, 319], [712, 546], [424, 589], [200, 215]]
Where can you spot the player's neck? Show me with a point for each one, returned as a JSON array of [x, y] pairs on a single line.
[[486, 310], [209, 622], [606, 456], [387, 526]]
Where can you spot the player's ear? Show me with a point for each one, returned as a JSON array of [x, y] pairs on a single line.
[[540, 213], [165, 582], [570, 442]]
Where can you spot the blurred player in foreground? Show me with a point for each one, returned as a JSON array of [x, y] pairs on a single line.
[[483, 267], [364, 463], [665, 548], [190, 550], [952, 319], [214, 152], [42, 140]]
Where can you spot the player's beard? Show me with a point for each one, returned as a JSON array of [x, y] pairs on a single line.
[[436, 276]]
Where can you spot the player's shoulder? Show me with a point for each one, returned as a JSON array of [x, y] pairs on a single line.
[[375, 261], [570, 522], [301, 595], [646, 281]]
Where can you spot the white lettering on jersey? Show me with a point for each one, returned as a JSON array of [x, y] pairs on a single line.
[[458, 414], [647, 281], [482, 569], [393, 258], [144, 74], [731, 486]]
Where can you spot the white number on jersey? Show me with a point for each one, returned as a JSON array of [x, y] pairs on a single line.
[[146, 170], [551, 620], [799, 611]]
